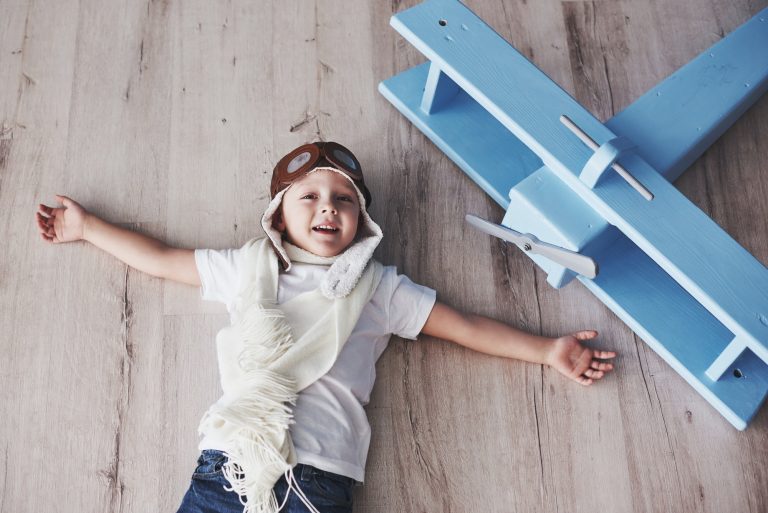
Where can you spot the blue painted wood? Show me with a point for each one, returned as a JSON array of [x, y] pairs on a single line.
[[731, 283], [566, 222], [725, 359], [439, 90], [640, 293], [602, 160], [469, 138], [527, 103], [678, 119], [663, 132], [679, 329]]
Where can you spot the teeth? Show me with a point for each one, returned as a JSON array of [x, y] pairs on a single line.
[[325, 227]]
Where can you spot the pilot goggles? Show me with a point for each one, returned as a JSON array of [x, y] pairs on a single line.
[[301, 161]]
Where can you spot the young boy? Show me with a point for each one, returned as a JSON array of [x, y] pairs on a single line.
[[311, 313]]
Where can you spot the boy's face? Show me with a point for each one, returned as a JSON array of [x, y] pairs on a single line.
[[320, 213]]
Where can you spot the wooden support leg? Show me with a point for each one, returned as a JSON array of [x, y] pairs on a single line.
[[726, 358], [438, 91]]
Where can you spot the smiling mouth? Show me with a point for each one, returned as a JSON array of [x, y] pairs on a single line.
[[325, 229]]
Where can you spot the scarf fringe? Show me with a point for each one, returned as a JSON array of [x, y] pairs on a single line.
[[257, 421], [266, 337], [254, 459]]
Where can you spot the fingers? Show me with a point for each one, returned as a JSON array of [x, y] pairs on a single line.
[[43, 222], [595, 365], [45, 227], [594, 374], [51, 211], [588, 377], [589, 335], [588, 368], [45, 217], [47, 235], [601, 366], [45, 209], [64, 200], [585, 334], [41, 219]]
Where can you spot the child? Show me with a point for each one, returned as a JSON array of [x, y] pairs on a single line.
[[311, 313]]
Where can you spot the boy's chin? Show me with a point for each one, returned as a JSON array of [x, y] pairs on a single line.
[[326, 251], [323, 250], [319, 246]]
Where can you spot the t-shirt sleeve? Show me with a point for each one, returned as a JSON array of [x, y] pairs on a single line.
[[409, 306], [218, 270]]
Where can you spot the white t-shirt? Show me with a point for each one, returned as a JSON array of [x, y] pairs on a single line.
[[331, 429]]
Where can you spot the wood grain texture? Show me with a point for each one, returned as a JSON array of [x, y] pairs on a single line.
[[168, 116]]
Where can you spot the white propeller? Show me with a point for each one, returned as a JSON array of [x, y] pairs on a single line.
[[576, 262]]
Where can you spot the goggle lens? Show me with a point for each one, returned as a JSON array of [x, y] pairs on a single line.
[[345, 159], [298, 161]]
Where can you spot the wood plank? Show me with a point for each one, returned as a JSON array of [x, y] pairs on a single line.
[[41, 360], [215, 71], [491, 435], [118, 169]]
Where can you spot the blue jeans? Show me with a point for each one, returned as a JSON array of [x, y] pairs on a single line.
[[328, 492]]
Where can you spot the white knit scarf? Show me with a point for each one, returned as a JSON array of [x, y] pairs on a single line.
[[266, 357]]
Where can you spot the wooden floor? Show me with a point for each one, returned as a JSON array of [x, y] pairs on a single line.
[[168, 116]]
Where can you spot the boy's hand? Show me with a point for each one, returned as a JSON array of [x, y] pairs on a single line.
[[61, 224], [577, 362]]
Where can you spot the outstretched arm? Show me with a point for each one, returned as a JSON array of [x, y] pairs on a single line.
[[565, 354], [72, 222]]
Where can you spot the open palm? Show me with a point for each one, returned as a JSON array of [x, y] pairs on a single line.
[[61, 224], [579, 363]]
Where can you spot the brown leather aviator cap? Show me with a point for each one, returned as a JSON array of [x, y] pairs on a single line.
[[300, 161]]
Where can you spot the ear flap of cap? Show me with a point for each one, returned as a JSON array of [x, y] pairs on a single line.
[[274, 235]]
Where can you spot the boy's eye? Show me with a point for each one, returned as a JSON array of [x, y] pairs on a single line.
[[345, 198], [308, 196]]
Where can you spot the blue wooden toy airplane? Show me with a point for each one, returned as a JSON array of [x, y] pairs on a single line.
[[594, 201]]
